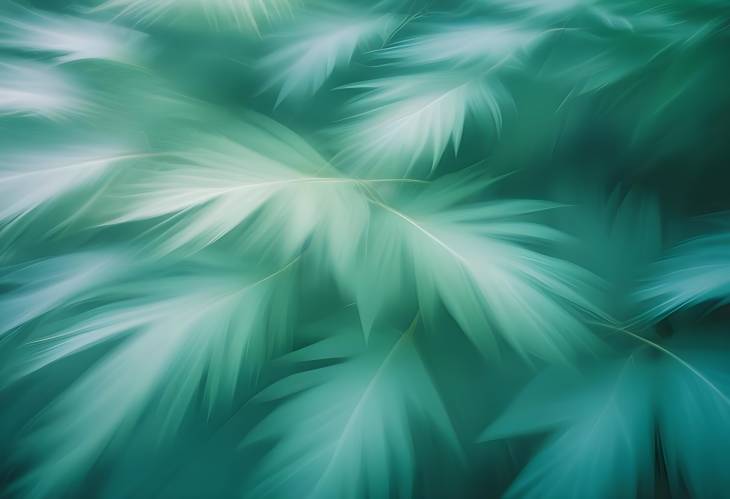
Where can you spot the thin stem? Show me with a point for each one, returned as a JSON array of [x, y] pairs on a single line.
[[674, 356]]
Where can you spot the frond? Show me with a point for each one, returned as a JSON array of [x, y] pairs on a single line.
[[363, 441], [481, 44], [476, 260], [171, 335], [30, 181], [310, 55], [67, 38], [44, 285], [693, 418], [34, 89], [694, 272], [219, 14], [207, 186], [601, 442], [612, 428], [402, 124]]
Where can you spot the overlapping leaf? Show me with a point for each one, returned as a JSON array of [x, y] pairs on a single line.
[[346, 430], [476, 260], [402, 125], [209, 185], [694, 272], [67, 38], [311, 54], [602, 430], [209, 326]]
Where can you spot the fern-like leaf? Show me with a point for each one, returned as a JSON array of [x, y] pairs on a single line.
[[170, 335], [603, 425], [402, 124], [68, 38], [694, 272], [475, 261], [312, 54], [363, 441]]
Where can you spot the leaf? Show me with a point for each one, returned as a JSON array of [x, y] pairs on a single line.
[[311, 54], [602, 440], [30, 181], [404, 122], [474, 260], [45, 285], [68, 38], [604, 446], [347, 429], [207, 327], [32, 89], [238, 14], [484, 44], [208, 186], [694, 424], [694, 272]]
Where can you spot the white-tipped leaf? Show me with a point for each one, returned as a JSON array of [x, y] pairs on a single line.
[[34, 89], [68, 38], [481, 44], [211, 186], [33, 180], [476, 260], [694, 272], [218, 14], [208, 329], [310, 55], [402, 125], [50, 284]]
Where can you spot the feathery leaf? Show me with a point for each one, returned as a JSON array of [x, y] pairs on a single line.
[[346, 429]]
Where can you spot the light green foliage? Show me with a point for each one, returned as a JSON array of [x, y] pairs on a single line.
[[348, 249]]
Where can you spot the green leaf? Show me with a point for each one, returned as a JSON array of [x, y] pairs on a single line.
[[310, 54], [210, 327], [402, 124], [483, 44], [474, 260], [31, 181], [602, 431], [34, 89], [67, 38], [346, 429], [238, 14], [45, 285], [694, 272], [208, 186]]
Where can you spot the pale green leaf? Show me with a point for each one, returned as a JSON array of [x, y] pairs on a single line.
[[346, 430]]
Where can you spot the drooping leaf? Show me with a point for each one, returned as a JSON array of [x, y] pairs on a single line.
[[603, 429], [602, 440], [483, 44], [311, 54], [45, 285], [209, 327], [208, 186], [34, 89], [346, 430], [694, 272], [475, 259], [33, 180], [694, 423], [67, 38], [401, 125], [240, 14]]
